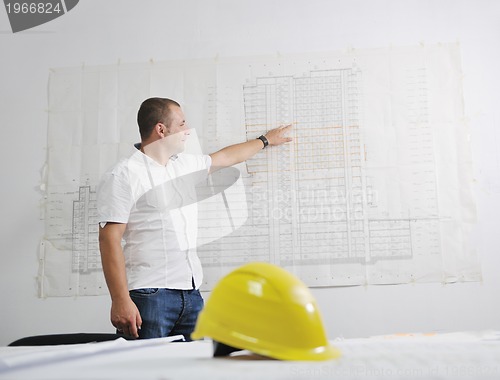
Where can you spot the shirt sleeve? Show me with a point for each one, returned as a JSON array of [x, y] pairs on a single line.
[[203, 167], [206, 162], [114, 198]]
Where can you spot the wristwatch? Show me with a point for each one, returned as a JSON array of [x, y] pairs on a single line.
[[264, 140]]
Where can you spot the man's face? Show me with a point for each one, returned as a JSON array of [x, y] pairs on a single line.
[[178, 122], [177, 132]]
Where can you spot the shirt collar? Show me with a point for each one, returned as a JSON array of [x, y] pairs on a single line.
[[138, 147]]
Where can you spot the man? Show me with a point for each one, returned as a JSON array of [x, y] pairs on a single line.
[[154, 279]]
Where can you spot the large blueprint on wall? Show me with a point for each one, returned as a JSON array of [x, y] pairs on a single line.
[[374, 189]]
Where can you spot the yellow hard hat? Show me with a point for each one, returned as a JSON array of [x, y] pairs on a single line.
[[262, 308]]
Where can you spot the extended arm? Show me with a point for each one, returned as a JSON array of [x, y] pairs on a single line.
[[124, 314], [234, 154]]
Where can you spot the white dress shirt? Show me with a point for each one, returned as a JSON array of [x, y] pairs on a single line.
[[158, 204]]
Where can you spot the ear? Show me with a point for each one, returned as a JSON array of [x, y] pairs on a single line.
[[160, 130]]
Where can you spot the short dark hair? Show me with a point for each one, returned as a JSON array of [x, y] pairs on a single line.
[[153, 111]]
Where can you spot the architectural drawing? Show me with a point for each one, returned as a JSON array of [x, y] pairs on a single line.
[[374, 189], [311, 203], [85, 248]]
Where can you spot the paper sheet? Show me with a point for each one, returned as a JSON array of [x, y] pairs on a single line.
[[374, 189], [461, 355]]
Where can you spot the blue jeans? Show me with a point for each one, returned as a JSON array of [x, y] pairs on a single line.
[[167, 312]]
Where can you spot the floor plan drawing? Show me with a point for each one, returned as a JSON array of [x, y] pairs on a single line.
[[85, 245], [375, 187], [70, 256], [314, 198]]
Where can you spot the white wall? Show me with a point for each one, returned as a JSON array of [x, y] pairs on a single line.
[[104, 32]]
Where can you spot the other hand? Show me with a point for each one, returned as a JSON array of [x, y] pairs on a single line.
[[126, 317]]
